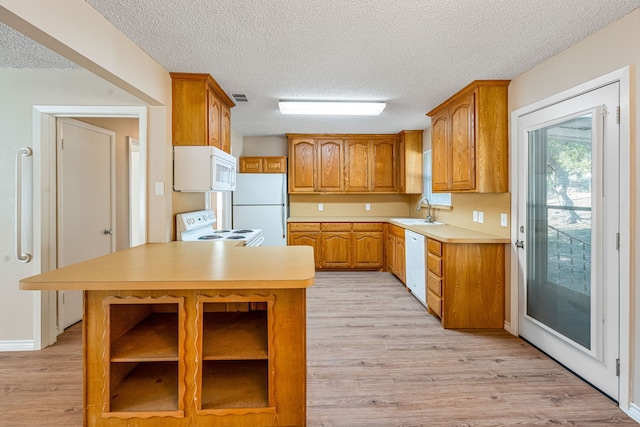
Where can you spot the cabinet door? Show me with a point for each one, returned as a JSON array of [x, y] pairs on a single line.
[[463, 152], [335, 249], [307, 238], [213, 112], [409, 161], [367, 249], [330, 165], [400, 259], [302, 174], [250, 164], [358, 171], [225, 131], [440, 153], [189, 112], [390, 253], [274, 165], [384, 175]]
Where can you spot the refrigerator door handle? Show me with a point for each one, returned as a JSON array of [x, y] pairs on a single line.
[[284, 208]]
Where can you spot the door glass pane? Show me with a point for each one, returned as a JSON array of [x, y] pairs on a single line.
[[559, 228]]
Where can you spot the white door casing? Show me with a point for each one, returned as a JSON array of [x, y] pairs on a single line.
[[597, 364], [86, 202]]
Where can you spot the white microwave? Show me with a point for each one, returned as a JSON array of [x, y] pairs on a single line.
[[203, 168]]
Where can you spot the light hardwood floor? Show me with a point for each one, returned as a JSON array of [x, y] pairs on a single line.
[[375, 358]]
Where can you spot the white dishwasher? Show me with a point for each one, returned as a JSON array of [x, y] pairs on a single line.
[[415, 265]]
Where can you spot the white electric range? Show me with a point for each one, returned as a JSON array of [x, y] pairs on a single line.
[[198, 226]]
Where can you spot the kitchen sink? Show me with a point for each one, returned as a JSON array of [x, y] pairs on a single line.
[[416, 221]]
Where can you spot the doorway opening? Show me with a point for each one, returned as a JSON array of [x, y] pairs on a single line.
[[45, 218]]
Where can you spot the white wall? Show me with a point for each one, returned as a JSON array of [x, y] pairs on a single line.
[[265, 146], [610, 49], [21, 90]]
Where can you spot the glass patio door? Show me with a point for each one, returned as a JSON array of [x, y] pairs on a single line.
[[568, 226]]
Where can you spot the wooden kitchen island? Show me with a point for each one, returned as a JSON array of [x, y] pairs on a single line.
[[192, 334]]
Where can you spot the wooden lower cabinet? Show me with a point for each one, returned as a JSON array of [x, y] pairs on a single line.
[[336, 247], [395, 252], [306, 234], [187, 358], [465, 284], [340, 246]]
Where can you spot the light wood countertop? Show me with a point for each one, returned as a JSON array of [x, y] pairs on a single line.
[[444, 233], [185, 265]]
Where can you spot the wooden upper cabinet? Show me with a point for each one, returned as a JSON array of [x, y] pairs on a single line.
[[470, 140], [225, 132], [330, 165], [266, 164], [357, 170], [302, 173], [200, 111], [356, 163], [409, 160], [214, 109], [440, 149], [274, 164], [463, 153], [384, 174]]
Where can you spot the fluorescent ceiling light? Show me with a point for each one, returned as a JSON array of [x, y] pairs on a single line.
[[332, 108]]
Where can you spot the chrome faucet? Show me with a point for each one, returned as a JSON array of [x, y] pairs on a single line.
[[419, 205]]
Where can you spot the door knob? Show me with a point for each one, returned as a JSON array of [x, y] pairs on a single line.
[[520, 244], [108, 231]]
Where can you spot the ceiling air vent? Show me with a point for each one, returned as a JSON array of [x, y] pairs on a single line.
[[240, 97]]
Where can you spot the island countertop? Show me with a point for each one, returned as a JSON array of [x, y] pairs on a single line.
[[185, 265]]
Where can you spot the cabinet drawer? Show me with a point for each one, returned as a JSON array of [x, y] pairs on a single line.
[[434, 246], [304, 226], [367, 226], [396, 231], [434, 303], [335, 226], [434, 284], [434, 264]]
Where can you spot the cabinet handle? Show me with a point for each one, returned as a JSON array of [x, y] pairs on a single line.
[[23, 152]]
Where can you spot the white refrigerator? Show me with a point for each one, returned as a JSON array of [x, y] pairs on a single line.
[[260, 201]]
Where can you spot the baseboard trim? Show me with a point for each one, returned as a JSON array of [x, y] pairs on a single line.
[[17, 345], [634, 412], [507, 327]]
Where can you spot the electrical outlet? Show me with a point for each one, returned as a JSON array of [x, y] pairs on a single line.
[[481, 217], [320, 207], [475, 216], [367, 206], [503, 219]]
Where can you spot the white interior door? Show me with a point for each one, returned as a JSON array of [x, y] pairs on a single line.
[[568, 224], [86, 202]]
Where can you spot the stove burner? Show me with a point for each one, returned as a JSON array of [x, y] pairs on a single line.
[[235, 237], [221, 231], [209, 237], [242, 231]]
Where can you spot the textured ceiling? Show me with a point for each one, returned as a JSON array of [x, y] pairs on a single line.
[[413, 54]]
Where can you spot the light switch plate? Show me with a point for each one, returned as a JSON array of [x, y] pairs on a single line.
[[503, 219], [475, 216], [481, 217], [320, 207], [367, 206], [160, 188]]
